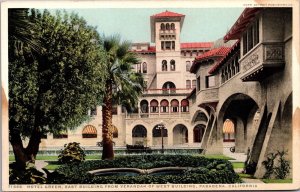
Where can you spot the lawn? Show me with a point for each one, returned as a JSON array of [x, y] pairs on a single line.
[[218, 157], [237, 165], [277, 180]]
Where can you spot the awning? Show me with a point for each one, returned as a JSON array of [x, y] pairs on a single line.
[[89, 130], [228, 126]]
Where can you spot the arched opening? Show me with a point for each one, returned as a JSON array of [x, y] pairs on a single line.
[[174, 106], [162, 26], [239, 109], [198, 132], [184, 105], [201, 117], [139, 135], [157, 133], [153, 106], [180, 134], [167, 26], [144, 106], [164, 65], [172, 65], [89, 131], [169, 86], [164, 106], [115, 131], [144, 67], [172, 26], [228, 131]]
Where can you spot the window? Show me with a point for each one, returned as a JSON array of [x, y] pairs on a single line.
[[198, 83], [168, 45], [154, 106], [162, 26], [164, 106], [210, 81], [144, 67], [172, 26], [138, 68], [191, 53], [162, 45], [188, 84], [251, 37], [194, 84], [172, 65], [175, 105], [164, 66], [184, 105], [188, 65], [93, 111], [173, 45], [167, 26]]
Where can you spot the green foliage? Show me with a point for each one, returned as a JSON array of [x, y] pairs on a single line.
[[54, 89], [282, 169], [269, 165], [28, 176], [219, 171], [72, 152]]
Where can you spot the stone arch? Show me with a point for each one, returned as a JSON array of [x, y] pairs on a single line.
[[169, 86], [154, 106], [180, 134], [204, 113], [164, 106], [237, 108], [198, 133], [184, 105], [174, 105], [172, 26], [162, 26], [139, 134], [157, 133]]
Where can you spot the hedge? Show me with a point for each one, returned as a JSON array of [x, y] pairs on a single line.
[[202, 170]]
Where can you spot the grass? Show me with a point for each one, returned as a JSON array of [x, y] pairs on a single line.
[[52, 166], [218, 157], [246, 176], [237, 165], [277, 180]]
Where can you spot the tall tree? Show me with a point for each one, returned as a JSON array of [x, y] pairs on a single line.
[[122, 86], [51, 91]]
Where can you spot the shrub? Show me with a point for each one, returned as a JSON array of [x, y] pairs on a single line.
[[269, 165], [30, 175], [219, 171], [72, 152], [283, 169]]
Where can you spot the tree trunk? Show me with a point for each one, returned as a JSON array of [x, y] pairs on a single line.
[[107, 144]]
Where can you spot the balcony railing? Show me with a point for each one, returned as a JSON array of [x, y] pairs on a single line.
[[208, 95], [262, 61], [170, 91], [158, 115]]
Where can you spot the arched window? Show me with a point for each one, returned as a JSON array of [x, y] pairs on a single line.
[[162, 26], [188, 65], [184, 105], [89, 131], [144, 106], [167, 26], [228, 131], [144, 67], [164, 106], [115, 131], [153, 106], [172, 26], [198, 133], [188, 84], [169, 86], [172, 64], [164, 66], [175, 105]]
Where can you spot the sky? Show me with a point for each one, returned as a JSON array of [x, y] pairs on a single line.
[[133, 24]]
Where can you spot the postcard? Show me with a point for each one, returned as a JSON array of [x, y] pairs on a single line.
[[150, 96]]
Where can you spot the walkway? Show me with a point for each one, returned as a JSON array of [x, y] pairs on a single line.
[[39, 164]]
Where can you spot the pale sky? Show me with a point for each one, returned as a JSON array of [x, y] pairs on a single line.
[[133, 24]]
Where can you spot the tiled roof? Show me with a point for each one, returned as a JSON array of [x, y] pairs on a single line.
[[225, 58], [239, 26], [217, 52], [196, 45], [168, 14]]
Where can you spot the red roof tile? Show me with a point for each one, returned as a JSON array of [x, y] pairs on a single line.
[[196, 45], [217, 52], [224, 59], [239, 26], [168, 14]]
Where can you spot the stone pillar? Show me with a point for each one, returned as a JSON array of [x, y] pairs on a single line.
[[190, 136], [239, 136], [170, 136]]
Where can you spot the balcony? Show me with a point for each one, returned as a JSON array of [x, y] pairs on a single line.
[[171, 31], [208, 95], [168, 115], [170, 91], [261, 61]]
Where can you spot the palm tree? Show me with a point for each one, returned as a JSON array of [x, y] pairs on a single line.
[[122, 86]]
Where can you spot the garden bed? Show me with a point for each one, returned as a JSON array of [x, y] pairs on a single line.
[[201, 170]]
